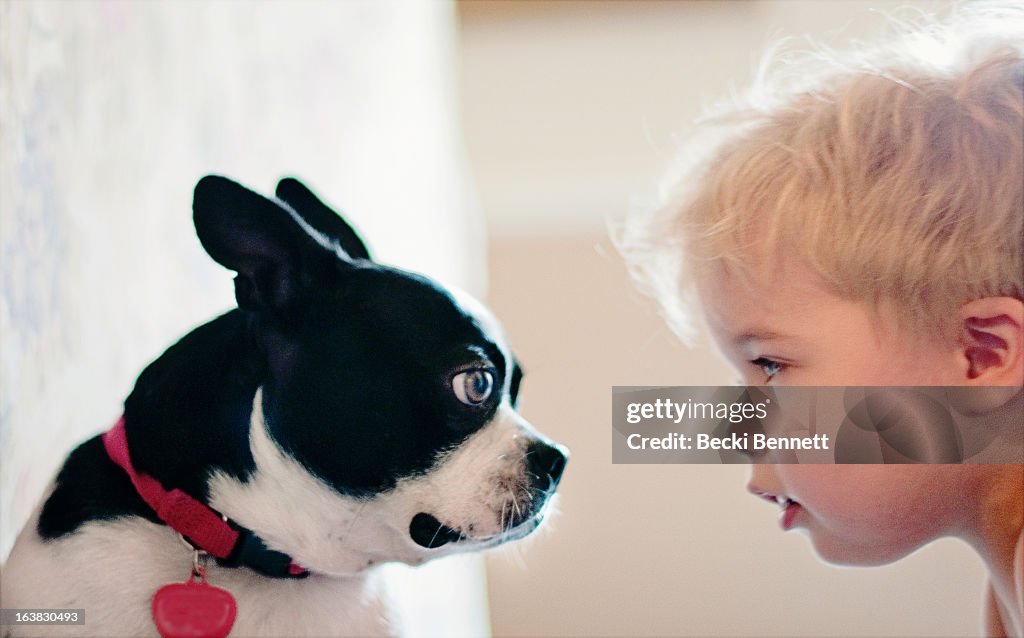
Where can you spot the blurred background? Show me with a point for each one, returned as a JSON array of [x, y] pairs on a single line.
[[487, 143], [570, 112]]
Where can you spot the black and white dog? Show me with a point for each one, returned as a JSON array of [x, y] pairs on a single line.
[[346, 414]]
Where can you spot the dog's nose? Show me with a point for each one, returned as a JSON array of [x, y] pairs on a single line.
[[546, 463]]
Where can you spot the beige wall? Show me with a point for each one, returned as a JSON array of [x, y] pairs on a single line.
[[572, 109], [669, 550]]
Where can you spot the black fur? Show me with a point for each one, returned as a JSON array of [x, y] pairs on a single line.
[[321, 217], [89, 487]]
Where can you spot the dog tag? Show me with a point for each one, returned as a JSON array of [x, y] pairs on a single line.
[[193, 609]]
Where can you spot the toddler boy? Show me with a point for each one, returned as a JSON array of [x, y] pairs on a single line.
[[860, 222]]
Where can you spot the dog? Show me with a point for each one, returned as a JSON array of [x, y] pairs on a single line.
[[346, 414]]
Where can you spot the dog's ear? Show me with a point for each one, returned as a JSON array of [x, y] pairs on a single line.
[[321, 217], [275, 258]]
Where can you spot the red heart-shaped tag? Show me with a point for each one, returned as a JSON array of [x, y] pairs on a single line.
[[193, 610]]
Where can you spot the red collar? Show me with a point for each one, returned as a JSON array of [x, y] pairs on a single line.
[[204, 528]]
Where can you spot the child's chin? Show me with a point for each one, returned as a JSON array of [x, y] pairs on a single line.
[[846, 554]]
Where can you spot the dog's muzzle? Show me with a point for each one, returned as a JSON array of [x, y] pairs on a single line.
[[544, 464]]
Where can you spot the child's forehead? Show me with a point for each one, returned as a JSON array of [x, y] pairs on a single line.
[[787, 303], [758, 306], [780, 285]]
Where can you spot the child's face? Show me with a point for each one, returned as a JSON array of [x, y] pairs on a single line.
[[787, 329]]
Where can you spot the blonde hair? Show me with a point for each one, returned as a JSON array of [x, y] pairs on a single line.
[[895, 173]]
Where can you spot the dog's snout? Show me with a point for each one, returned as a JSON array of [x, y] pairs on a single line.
[[546, 463]]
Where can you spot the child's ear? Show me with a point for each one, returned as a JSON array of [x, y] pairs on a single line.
[[991, 342]]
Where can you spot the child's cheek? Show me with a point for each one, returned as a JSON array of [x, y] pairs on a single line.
[[859, 498], [835, 492]]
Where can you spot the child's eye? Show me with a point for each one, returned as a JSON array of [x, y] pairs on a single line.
[[768, 367]]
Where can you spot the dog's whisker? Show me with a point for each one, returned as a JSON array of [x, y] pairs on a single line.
[[434, 537], [352, 523]]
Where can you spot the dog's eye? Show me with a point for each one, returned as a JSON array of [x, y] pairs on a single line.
[[473, 387]]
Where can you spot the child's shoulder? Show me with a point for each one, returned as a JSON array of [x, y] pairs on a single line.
[[1018, 582], [1000, 621]]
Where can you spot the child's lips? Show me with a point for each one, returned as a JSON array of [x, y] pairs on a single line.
[[790, 508], [789, 514]]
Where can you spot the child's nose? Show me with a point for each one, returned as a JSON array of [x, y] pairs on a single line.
[[763, 479]]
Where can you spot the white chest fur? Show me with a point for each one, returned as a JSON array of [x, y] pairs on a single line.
[[111, 570]]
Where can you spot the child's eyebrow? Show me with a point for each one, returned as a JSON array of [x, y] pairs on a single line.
[[748, 336]]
